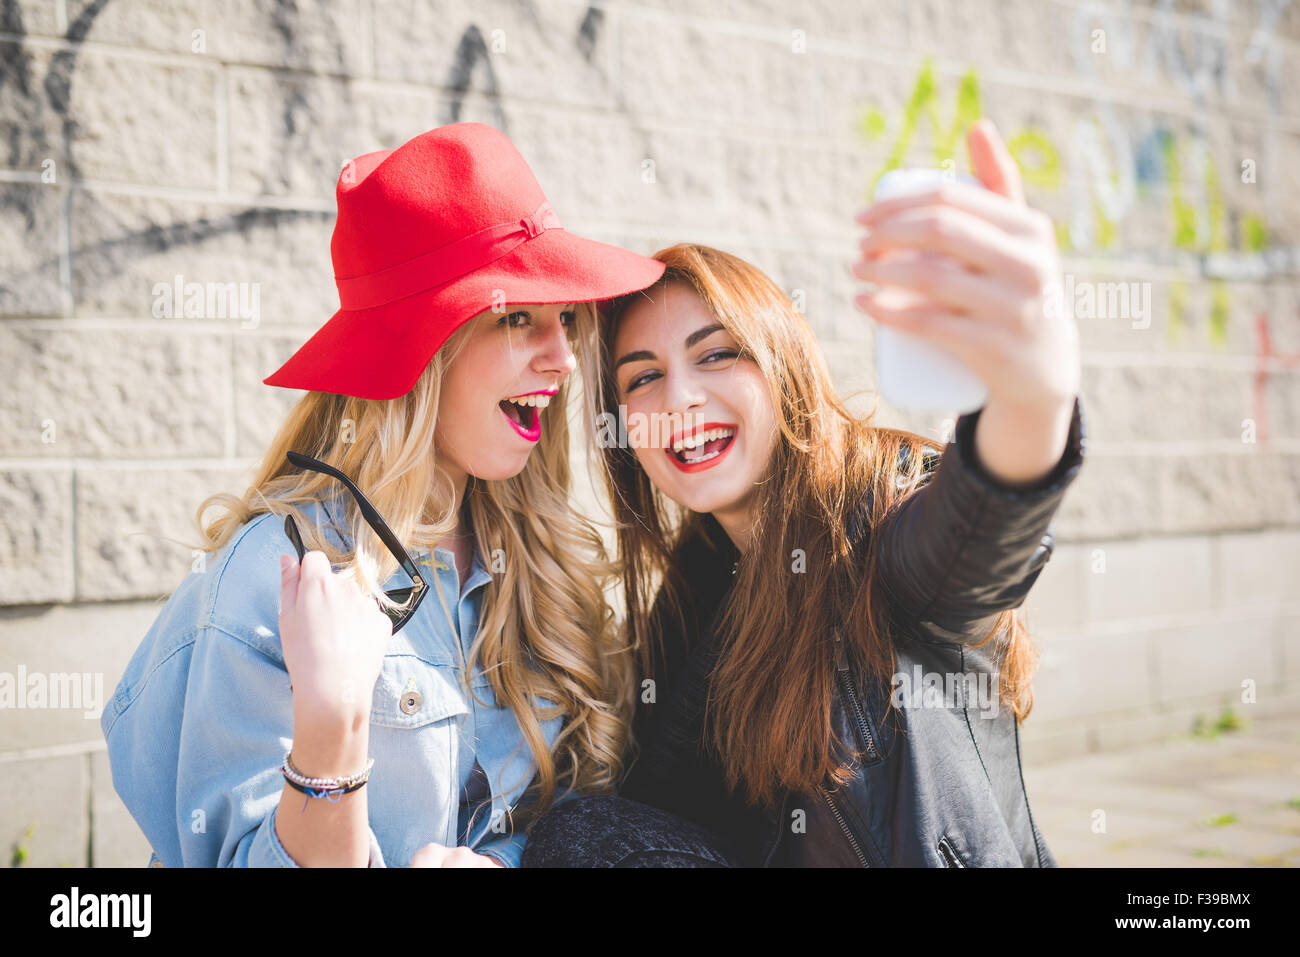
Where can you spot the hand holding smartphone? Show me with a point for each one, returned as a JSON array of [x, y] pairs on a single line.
[[911, 373]]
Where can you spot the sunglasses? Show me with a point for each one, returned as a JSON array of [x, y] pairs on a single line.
[[408, 598]]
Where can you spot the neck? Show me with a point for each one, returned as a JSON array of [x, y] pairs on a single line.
[[738, 526], [459, 480]]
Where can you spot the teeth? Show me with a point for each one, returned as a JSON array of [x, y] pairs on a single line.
[[695, 441], [538, 401]]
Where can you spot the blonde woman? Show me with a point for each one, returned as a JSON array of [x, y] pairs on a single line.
[[832, 670], [396, 650]]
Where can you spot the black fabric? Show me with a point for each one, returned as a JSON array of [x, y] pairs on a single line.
[[612, 831]]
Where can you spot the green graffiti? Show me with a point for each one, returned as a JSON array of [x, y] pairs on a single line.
[[1220, 309], [1255, 232], [925, 102], [1184, 212], [1105, 226], [1063, 239], [1177, 309], [1045, 171], [873, 124], [1186, 237]]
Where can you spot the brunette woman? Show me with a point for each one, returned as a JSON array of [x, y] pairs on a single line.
[[833, 672]]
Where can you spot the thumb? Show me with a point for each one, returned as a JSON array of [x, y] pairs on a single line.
[[288, 582], [993, 163]]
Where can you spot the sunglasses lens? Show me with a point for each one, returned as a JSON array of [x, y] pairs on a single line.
[[400, 595], [403, 595]]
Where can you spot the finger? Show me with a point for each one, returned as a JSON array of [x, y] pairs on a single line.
[[969, 341], [944, 280], [289, 571], [314, 575], [962, 236], [431, 855], [993, 207], [993, 163]]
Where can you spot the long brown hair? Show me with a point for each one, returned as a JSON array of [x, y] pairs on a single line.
[[771, 690]]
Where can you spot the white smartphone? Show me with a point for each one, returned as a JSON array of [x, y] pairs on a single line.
[[912, 373]]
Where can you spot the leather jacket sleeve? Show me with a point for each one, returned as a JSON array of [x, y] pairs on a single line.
[[964, 547]]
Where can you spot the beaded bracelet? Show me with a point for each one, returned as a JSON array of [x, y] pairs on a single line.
[[330, 794], [294, 776], [332, 789]]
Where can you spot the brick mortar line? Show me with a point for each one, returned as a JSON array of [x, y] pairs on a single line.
[[1287, 696], [1085, 88], [1245, 362], [148, 464], [1142, 624], [53, 751], [1135, 448], [1140, 448], [177, 193], [324, 203]]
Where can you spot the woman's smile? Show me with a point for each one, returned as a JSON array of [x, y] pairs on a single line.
[[703, 448], [523, 412]]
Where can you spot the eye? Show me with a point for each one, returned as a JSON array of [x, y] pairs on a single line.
[[568, 318], [509, 319], [640, 380], [720, 354]]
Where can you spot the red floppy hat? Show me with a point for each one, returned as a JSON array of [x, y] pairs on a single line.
[[428, 236]]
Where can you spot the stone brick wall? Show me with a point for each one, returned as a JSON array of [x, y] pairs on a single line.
[[144, 140]]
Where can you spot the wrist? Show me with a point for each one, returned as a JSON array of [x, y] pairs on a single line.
[[1017, 446], [322, 752]]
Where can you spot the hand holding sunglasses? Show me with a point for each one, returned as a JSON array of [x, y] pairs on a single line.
[[409, 597]]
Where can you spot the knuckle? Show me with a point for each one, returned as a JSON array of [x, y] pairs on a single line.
[[941, 228]]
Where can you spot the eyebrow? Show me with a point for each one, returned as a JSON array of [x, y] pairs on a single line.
[[526, 307], [692, 339]]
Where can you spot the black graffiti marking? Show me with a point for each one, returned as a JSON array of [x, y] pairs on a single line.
[[471, 51], [17, 75]]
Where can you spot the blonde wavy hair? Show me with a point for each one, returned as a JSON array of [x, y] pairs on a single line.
[[545, 629]]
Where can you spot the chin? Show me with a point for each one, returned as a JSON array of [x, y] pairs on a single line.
[[500, 468], [705, 500]]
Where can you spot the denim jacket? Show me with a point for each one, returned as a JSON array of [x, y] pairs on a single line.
[[200, 721]]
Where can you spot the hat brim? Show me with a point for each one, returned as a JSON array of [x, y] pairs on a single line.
[[380, 353]]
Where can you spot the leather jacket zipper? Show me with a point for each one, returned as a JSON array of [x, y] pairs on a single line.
[[853, 842], [950, 858], [846, 689]]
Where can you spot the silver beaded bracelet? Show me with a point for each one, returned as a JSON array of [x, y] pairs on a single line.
[[323, 784]]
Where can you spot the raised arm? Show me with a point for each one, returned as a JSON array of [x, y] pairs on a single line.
[[967, 546], [982, 277]]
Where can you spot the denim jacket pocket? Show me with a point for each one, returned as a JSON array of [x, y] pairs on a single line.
[[411, 693]]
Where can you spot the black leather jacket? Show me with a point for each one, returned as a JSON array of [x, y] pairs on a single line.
[[941, 782]]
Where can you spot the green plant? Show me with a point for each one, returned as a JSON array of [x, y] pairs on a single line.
[[19, 857], [1228, 720]]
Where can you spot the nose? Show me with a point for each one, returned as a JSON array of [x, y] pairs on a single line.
[[683, 391], [554, 352]]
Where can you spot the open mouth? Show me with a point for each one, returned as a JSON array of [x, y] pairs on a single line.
[[703, 449], [523, 412]]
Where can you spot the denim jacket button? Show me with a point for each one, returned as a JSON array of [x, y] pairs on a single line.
[[411, 701]]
